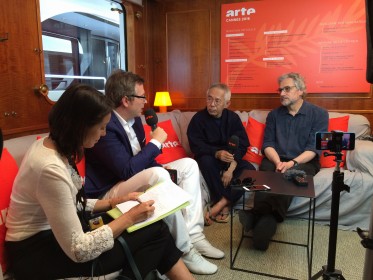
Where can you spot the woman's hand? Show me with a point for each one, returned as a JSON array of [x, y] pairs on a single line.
[[141, 212], [136, 214], [130, 196]]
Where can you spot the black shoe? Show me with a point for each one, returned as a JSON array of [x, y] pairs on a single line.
[[246, 218], [264, 229]]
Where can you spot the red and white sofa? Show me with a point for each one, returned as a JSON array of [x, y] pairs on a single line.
[[355, 207]]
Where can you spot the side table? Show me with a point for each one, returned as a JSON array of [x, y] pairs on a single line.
[[279, 185]]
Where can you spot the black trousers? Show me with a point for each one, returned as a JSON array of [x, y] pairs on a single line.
[[211, 169], [40, 256], [268, 203]]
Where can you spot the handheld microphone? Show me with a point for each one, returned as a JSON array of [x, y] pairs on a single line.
[[151, 118], [233, 143]]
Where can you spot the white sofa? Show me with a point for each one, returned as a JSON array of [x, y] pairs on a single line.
[[355, 207]]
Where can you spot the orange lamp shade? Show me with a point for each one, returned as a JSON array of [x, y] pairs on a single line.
[[162, 99]]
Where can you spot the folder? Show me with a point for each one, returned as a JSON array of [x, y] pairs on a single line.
[[168, 199]]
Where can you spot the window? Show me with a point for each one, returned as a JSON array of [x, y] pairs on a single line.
[[83, 41]]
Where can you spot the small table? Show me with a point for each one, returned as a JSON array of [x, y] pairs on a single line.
[[279, 185]]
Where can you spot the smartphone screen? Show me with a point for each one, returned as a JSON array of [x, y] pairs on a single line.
[[254, 188], [325, 141]]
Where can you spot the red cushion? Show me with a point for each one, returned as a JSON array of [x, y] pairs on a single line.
[[8, 171], [171, 149], [255, 132], [340, 123], [81, 167]]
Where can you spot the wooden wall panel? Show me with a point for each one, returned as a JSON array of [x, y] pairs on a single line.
[[184, 58], [187, 41], [22, 111]]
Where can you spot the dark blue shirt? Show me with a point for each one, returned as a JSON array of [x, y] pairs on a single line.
[[292, 135]]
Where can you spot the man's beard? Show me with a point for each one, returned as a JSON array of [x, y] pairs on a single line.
[[286, 102]]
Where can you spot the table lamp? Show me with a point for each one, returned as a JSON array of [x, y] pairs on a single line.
[[162, 99]]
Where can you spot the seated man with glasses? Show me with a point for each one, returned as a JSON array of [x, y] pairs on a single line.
[[289, 143], [122, 156], [209, 133]]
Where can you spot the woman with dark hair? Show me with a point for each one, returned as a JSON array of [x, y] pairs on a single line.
[[47, 237]]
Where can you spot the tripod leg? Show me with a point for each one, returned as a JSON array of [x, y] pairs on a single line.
[[318, 275], [328, 271], [326, 275]]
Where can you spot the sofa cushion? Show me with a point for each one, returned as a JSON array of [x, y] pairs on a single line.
[[184, 121], [340, 123], [259, 115], [19, 146], [171, 149], [357, 124], [8, 171], [361, 158], [255, 132]]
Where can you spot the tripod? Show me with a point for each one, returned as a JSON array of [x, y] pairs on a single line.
[[328, 271]]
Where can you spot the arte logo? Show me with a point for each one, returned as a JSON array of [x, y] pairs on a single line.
[[170, 144], [240, 12], [255, 150]]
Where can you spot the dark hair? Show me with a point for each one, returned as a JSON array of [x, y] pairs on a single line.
[[120, 84], [79, 108]]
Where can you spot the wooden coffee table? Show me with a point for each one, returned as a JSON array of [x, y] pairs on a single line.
[[279, 185]]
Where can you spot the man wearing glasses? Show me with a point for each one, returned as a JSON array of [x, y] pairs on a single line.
[[289, 143], [122, 157], [209, 133]]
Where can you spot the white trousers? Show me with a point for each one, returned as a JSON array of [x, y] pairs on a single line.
[[188, 178], [140, 182]]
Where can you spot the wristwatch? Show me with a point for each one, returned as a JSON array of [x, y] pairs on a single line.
[[295, 162]]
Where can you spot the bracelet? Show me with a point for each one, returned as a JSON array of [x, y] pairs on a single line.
[[295, 162]]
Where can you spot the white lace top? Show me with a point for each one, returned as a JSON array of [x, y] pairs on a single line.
[[44, 197]]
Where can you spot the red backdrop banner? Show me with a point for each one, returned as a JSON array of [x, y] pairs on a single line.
[[325, 41]]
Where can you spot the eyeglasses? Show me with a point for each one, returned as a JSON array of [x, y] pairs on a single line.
[[286, 89], [217, 102], [245, 182], [137, 96]]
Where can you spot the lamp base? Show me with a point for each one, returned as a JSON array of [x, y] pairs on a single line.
[[162, 109]]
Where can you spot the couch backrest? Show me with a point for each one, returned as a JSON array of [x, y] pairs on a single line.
[[180, 121], [18, 146], [357, 123]]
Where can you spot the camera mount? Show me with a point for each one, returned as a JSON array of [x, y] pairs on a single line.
[[328, 271]]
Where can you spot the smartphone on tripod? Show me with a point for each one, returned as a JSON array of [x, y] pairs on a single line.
[[335, 140]]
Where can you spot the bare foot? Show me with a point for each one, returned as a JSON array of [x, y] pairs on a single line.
[[223, 216], [213, 213]]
